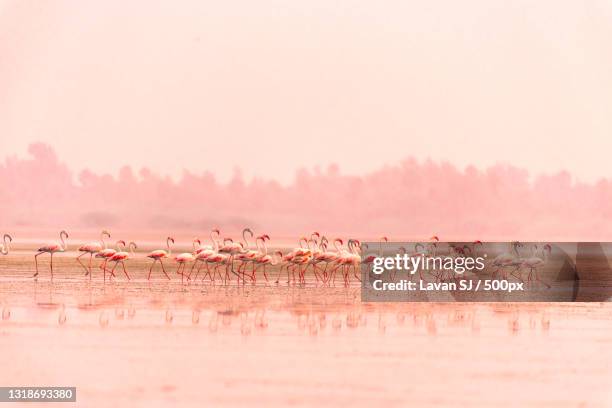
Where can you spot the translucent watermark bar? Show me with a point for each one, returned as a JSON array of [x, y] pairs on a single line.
[[484, 271], [37, 394]]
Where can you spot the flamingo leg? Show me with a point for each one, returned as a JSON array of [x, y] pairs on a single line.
[[163, 269], [113, 270], [314, 269], [36, 263], [332, 274], [51, 266], [124, 271], [178, 271], [78, 258], [193, 266], [280, 271], [151, 269], [210, 276], [355, 273], [200, 267], [325, 272]]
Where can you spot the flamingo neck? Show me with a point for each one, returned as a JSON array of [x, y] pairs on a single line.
[[244, 238], [63, 245], [5, 247], [336, 246], [278, 258], [214, 241]]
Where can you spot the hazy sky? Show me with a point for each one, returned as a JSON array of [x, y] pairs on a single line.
[[272, 86]]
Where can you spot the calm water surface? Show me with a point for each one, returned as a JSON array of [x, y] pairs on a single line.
[[158, 344]]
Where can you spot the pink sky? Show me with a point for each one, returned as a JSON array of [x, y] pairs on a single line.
[[168, 85]]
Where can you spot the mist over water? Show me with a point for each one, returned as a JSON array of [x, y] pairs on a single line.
[[410, 200]]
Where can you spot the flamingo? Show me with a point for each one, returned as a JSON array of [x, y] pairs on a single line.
[[218, 259], [107, 253], [248, 255], [232, 249], [212, 247], [317, 254], [368, 260], [534, 262], [330, 257], [296, 258], [51, 249], [185, 257], [266, 259], [352, 258], [122, 256], [5, 247], [92, 248], [203, 253], [158, 255], [256, 257], [508, 259]]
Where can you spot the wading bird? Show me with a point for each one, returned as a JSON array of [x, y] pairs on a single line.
[[51, 249], [92, 248], [122, 256], [534, 262], [158, 255], [107, 253], [185, 257]]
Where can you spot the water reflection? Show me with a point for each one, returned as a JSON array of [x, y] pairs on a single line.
[[314, 311]]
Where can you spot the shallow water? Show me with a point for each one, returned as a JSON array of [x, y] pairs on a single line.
[[152, 344]]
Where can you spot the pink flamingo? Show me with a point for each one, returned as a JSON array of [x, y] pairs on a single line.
[[203, 254], [250, 255], [51, 249], [512, 258], [369, 259], [218, 259], [185, 257], [158, 255], [122, 256], [330, 257], [213, 239], [295, 259], [347, 260], [107, 253], [205, 251], [317, 256], [92, 248], [266, 259], [353, 259], [5, 247], [260, 258], [535, 262], [233, 248]]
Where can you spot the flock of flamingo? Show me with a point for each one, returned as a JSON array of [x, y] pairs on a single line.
[[240, 260]]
